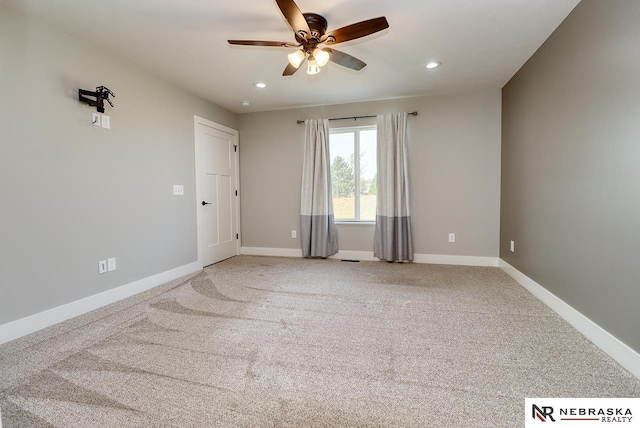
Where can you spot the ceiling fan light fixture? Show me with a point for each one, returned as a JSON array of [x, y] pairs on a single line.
[[321, 56], [296, 58], [313, 66], [310, 30]]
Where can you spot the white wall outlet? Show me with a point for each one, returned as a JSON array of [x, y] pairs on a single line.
[[102, 266], [294, 234], [452, 237], [106, 121], [513, 247], [95, 119], [178, 190], [111, 264]]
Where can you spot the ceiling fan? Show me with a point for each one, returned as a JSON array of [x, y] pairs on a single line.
[[311, 36]]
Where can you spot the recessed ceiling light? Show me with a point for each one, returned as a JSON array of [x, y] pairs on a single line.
[[260, 85], [434, 64], [245, 103]]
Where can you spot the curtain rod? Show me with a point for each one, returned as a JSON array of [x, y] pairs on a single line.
[[413, 113]]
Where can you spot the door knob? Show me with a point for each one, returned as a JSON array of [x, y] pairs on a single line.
[[205, 203]]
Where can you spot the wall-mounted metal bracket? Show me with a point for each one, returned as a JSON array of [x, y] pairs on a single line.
[[96, 98]]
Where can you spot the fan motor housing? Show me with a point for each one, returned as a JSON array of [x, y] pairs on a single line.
[[317, 25]]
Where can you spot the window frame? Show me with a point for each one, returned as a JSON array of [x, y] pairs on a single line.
[[356, 169]]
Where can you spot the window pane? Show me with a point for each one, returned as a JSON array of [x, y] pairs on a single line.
[[368, 176], [343, 181]]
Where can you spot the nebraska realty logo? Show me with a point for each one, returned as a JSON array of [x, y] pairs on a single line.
[[582, 412]]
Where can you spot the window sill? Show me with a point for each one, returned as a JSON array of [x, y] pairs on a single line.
[[357, 223]]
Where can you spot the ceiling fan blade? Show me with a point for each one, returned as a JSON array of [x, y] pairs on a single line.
[[345, 60], [261, 43], [294, 17], [290, 70], [355, 31]]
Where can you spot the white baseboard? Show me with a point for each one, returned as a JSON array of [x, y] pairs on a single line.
[[438, 259], [627, 357], [276, 252], [32, 323], [368, 256], [365, 256]]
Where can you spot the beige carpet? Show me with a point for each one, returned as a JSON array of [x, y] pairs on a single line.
[[270, 342]]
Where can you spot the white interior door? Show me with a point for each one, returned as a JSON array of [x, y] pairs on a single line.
[[216, 191]]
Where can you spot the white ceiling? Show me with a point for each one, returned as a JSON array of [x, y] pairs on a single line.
[[481, 43]]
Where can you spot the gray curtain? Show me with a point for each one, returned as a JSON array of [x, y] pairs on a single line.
[[317, 228], [393, 240]]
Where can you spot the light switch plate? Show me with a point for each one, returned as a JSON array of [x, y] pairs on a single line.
[[111, 264], [102, 266], [178, 190], [106, 121], [95, 119]]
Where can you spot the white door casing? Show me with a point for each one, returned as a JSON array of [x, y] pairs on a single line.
[[216, 186]]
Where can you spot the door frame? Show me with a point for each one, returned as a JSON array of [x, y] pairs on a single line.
[[197, 120]]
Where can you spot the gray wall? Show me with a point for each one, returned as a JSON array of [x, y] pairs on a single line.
[[454, 166], [571, 165], [73, 194]]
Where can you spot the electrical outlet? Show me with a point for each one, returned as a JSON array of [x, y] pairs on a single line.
[[294, 234], [102, 266], [178, 190], [513, 247], [452, 237], [111, 264]]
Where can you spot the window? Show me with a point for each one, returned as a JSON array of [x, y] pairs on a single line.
[[353, 173]]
